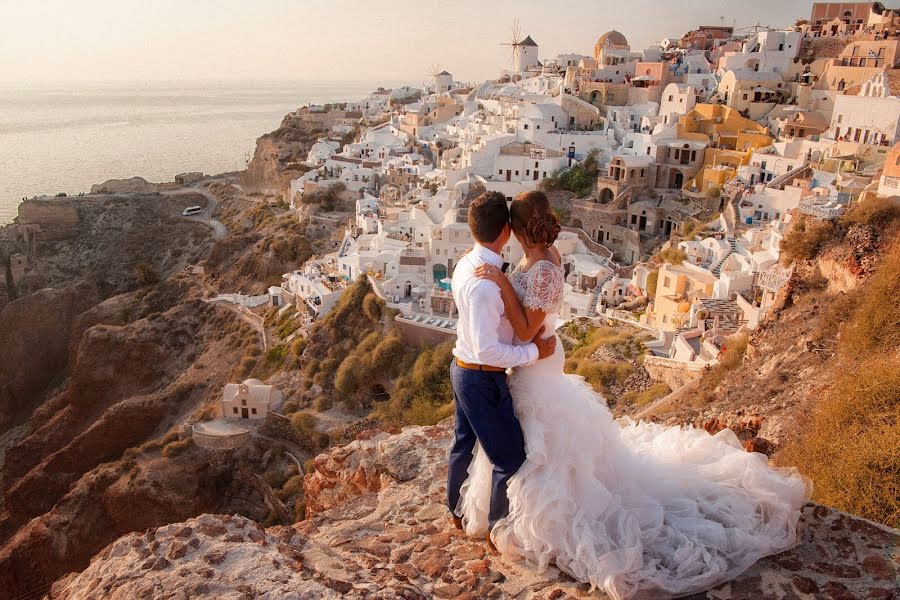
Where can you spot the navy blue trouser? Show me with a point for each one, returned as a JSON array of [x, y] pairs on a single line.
[[484, 413]]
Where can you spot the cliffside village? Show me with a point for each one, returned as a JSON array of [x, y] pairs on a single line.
[[708, 145]]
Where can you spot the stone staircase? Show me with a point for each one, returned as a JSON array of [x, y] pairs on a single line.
[[595, 298], [717, 268], [345, 244]]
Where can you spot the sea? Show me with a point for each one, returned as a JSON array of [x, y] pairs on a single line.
[[65, 137]]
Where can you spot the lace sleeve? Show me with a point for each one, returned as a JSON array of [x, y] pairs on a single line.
[[544, 289]]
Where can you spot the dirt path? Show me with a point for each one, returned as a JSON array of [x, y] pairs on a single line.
[[218, 228]]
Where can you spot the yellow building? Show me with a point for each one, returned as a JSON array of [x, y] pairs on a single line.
[[677, 288], [730, 138]]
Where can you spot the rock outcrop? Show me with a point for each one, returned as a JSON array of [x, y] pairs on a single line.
[[279, 154], [42, 320], [132, 185], [377, 528]]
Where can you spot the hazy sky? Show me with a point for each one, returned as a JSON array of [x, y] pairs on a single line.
[[43, 40]]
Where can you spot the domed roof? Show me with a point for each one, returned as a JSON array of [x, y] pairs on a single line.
[[612, 38]]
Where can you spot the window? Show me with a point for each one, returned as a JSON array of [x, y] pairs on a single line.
[[666, 282], [235, 410], [671, 97], [525, 126], [535, 164], [243, 402], [780, 47], [253, 411], [528, 172]]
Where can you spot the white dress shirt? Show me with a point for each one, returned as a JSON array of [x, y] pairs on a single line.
[[484, 336]]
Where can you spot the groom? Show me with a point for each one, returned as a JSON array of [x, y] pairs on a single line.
[[484, 350]]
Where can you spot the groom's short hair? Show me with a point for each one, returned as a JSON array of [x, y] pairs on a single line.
[[488, 215]]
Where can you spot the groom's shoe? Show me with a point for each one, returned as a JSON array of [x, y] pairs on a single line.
[[457, 521], [492, 549]]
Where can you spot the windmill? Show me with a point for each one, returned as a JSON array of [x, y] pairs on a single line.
[[515, 44], [440, 79]]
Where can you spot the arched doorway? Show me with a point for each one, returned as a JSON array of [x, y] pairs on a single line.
[[606, 196], [407, 289], [678, 181], [577, 224]]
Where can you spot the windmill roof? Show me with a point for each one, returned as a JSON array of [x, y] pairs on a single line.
[[443, 73], [528, 42]]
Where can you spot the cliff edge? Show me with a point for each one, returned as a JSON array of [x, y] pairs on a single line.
[[376, 527]]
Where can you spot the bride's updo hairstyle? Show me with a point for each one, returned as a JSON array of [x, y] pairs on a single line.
[[533, 219]]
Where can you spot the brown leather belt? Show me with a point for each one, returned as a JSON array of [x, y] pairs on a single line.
[[471, 367]]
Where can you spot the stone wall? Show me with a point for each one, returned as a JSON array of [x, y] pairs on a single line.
[[220, 442], [674, 374], [279, 426]]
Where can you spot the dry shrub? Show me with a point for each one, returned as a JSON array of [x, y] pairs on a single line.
[[730, 358], [177, 447], [850, 451], [876, 324], [602, 374], [654, 392], [671, 255], [652, 283], [305, 423], [850, 446], [883, 214], [806, 239]]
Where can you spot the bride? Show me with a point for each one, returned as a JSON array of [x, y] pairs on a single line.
[[638, 509]]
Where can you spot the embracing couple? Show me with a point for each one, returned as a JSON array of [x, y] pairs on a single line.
[[542, 470]]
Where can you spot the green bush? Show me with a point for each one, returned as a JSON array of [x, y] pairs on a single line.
[[422, 395], [349, 375], [275, 356]]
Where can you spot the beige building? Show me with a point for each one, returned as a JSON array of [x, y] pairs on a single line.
[[677, 288]]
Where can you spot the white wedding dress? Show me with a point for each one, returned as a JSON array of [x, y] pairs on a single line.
[[635, 509]]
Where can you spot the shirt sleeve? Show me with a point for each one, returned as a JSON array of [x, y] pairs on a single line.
[[487, 310]]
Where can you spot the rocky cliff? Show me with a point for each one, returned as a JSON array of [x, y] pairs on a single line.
[[377, 528], [278, 154], [103, 362]]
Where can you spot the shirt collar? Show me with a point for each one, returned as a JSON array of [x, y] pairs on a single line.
[[488, 255]]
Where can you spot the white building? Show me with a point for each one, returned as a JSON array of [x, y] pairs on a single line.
[[871, 117], [250, 400]]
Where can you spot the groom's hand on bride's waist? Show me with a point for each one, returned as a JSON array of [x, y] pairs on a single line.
[[546, 346]]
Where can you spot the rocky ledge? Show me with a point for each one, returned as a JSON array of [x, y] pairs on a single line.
[[376, 528]]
